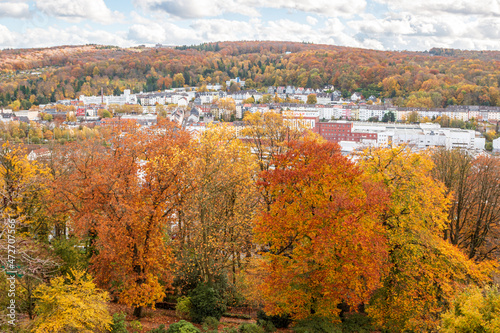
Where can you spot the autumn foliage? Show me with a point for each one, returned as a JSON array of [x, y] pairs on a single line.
[[280, 220], [323, 240]]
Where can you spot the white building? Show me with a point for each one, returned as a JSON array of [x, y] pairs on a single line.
[[125, 98]]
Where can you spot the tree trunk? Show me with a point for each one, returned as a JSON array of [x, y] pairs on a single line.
[[138, 312]]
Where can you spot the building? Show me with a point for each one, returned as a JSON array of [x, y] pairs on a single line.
[[337, 131]]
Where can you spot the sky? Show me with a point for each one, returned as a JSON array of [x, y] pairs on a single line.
[[415, 25]]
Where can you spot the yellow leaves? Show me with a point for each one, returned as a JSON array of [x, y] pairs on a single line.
[[474, 310], [149, 292], [71, 303], [426, 269]]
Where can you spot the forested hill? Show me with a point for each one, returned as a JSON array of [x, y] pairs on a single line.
[[435, 78]]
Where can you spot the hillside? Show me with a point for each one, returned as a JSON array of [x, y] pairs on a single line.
[[436, 78]]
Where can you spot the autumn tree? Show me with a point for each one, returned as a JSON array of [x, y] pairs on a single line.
[[122, 198], [312, 99], [425, 269], [213, 224], [71, 304], [268, 134], [322, 238], [474, 214], [474, 310]]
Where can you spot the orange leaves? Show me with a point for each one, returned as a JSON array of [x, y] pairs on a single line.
[[326, 244], [123, 198]]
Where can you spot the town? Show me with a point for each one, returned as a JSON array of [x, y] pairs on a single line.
[[354, 122]]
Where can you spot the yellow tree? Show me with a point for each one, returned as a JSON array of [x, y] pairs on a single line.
[[426, 270], [267, 134], [71, 304], [213, 224]]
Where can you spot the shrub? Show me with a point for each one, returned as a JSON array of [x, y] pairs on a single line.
[[183, 307], [230, 330], [182, 327], [250, 328], [210, 323], [267, 325], [119, 325], [136, 326], [70, 304], [474, 310], [281, 321], [160, 329], [206, 302], [356, 323], [316, 325]]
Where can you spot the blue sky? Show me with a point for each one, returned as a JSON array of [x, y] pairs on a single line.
[[376, 24]]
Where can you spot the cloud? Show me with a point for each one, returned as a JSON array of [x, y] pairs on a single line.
[[77, 10], [461, 7], [53, 36], [311, 20], [14, 9], [190, 9]]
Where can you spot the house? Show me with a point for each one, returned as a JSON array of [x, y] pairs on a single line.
[[356, 97], [38, 153], [237, 81]]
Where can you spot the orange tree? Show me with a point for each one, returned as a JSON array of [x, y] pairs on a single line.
[[122, 196], [321, 234]]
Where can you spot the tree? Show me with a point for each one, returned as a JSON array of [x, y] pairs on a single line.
[[71, 304], [213, 227], [474, 214], [389, 117], [179, 80], [324, 243], [474, 310], [126, 210], [412, 117], [312, 99], [268, 134], [426, 270]]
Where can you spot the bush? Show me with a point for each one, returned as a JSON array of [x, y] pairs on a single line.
[[250, 328], [267, 325], [474, 310], [210, 323], [206, 302], [74, 303], [136, 326], [183, 307], [230, 330], [119, 325], [316, 325], [356, 323], [160, 329], [281, 321], [182, 327]]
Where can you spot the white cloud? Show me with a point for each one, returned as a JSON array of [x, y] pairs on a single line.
[[433, 7], [53, 36], [14, 9], [189, 9], [77, 10], [311, 20], [7, 38]]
